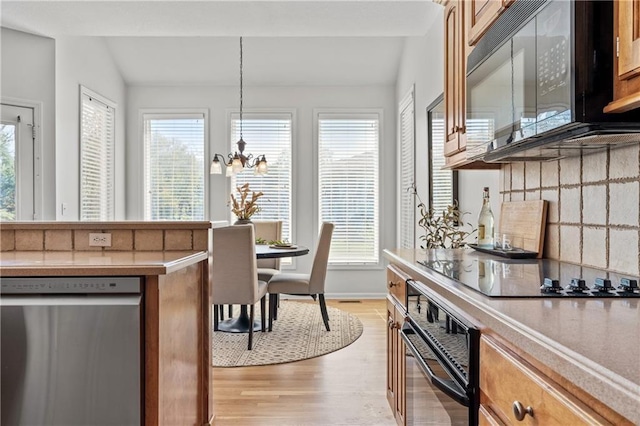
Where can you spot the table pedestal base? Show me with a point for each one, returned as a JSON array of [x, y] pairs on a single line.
[[240, 324]]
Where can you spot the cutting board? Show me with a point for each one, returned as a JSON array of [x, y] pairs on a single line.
[[524, 223]]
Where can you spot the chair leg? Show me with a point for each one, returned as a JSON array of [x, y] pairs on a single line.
[[215, 317], [273, 302], [323, 310], [276, 306], [263, 312], [252, 312], [230, 311]]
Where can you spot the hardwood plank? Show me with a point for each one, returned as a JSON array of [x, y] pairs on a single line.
[[346, 387]]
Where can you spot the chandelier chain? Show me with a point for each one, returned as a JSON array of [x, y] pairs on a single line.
[[241, 88]]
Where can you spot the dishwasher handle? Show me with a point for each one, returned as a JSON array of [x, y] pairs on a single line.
[[74, 300]]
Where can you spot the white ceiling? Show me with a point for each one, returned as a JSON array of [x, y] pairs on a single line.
[[286, 42]]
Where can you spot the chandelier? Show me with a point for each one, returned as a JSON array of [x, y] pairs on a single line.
[[238, 161]]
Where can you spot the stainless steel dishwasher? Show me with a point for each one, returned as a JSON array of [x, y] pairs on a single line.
[[71, 351]]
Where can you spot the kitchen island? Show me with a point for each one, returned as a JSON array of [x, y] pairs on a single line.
[[175, 310], [588, 347]]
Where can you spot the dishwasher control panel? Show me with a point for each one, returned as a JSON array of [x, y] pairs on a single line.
[[69, 285]]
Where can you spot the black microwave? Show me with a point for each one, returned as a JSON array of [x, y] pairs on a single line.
[[538, 80]]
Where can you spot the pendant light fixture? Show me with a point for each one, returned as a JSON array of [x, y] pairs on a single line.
[[238, 161]]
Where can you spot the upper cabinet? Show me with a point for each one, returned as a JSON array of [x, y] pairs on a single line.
[[626, 84], [481, 14], [456, 49], [454, 78]]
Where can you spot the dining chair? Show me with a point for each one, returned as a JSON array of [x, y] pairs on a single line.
[[268, 230], [234, 277], [305, 284]]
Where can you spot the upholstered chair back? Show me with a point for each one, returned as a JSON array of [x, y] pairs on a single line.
[[234, 278], [321, 259]]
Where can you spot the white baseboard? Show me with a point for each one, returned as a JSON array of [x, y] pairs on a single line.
[[344, 296]]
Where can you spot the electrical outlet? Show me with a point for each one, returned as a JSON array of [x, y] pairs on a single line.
[[102, 239]]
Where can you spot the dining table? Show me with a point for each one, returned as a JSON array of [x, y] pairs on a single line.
[[241, 323]]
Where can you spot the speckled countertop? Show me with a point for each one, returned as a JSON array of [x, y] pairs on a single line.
[[68, 263], [592, 343]]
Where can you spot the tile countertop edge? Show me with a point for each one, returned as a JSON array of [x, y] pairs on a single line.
[[618, 392], [159, 267], [126, 224]]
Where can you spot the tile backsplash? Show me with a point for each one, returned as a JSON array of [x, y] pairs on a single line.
[[594, 205]]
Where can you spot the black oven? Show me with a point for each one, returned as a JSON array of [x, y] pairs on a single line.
[[441, 362]]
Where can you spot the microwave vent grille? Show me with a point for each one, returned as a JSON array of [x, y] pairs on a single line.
[[518, 14]]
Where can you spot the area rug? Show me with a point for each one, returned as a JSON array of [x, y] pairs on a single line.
[[298, 334]]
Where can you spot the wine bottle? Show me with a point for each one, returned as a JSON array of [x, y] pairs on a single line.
[[485, 222]]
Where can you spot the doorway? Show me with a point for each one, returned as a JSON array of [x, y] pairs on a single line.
[[18, 169]]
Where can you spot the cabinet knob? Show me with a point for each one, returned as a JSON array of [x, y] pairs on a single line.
[[391, 284], [519, 411]]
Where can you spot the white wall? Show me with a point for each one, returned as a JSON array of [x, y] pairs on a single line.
[[220, 100], [422, 65], [85, 61], [28, 63]]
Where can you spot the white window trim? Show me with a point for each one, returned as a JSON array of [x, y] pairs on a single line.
[[141, 170], [353, 112], [409, 98], [109, 103], [38, 192]]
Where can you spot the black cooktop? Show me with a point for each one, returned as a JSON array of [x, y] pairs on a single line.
[[497, 277]]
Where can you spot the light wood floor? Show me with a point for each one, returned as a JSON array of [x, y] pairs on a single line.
[[346, 387]]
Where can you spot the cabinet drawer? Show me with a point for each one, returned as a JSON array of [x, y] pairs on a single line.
[[397, 283], [508, 384]]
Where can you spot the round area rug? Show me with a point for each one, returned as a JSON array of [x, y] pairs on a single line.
[[298, 334]]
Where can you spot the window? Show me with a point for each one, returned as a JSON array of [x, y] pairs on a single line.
[[407, 203], [442, 182], [348, 180], [174, 166], [271, 135], [97, 139]]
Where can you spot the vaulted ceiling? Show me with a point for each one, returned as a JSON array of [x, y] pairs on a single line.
[[290, 42]]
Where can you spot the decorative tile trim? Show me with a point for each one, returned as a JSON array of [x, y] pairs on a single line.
[[55, 237]]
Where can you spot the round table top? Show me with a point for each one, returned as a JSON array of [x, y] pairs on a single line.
[[264, 251]]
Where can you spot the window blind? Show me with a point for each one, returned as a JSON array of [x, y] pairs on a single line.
[[348, 178], [441, 179], [407, 173], [271, 135], [174, 166], [97, 139]]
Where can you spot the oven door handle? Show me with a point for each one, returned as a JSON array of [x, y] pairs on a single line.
[[447, 386]]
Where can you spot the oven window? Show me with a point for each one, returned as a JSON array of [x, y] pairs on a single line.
[[425, 403]]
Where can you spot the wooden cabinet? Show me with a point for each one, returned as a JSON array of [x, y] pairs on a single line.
[[486, 417], [513, 392], [454, 78], [455, 51], [626, 83], [480, 15], [397, 284], [395, 346]]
